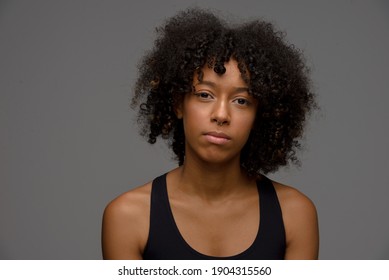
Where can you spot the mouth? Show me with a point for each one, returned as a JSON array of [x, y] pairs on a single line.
[[218, 138]]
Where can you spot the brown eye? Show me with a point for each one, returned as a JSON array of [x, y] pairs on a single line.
[[242, 101], [203, 95]]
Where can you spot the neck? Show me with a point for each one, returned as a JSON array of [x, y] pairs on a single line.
[[212, 181]]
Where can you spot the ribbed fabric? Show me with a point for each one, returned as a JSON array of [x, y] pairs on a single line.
[[166, 243]]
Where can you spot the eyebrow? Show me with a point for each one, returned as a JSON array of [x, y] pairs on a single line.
[[213, 85]]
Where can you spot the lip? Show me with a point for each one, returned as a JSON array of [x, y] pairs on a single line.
[[216, 137]]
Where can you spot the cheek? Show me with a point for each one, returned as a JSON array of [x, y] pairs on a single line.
[[193, 113], [246, 121]]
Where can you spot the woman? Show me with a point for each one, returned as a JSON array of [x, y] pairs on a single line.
[[232, 101]]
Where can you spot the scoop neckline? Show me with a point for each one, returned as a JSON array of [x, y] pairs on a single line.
[[191, 249]]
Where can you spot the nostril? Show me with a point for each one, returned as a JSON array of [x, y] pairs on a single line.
[[220, 122]]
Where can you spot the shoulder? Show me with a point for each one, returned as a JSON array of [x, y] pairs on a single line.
[[126, 224], [300, 221], [293, 200], [131, 203]]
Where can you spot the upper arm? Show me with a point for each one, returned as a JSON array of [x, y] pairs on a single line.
[[124, 228], [301, 226]]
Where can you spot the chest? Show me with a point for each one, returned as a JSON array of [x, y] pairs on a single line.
[[220, 229]]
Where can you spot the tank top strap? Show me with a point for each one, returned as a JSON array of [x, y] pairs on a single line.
[[163, 241], [271, 235]]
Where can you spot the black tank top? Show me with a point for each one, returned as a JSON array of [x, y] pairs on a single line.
[[166, 243]]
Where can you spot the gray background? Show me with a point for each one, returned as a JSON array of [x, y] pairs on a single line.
[[69, 145]]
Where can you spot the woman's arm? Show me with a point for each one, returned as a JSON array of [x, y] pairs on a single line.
[[125, 226], [301, 224]]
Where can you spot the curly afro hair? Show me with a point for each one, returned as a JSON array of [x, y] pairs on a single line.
[[273, 69]]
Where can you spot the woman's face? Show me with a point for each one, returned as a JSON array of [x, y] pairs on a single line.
[[218, 115]]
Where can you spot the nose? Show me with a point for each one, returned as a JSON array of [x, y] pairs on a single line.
[[221, 114]]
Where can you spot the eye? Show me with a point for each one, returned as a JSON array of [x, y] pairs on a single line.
[[242, 101], [203, 95]]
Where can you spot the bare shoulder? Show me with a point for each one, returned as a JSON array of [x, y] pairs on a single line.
[[300, 221], [126, 224], [293, 200], [131, 203]]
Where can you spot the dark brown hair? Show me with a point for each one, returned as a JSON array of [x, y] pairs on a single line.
[[277, 77]]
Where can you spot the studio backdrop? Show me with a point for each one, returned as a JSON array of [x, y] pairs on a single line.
[[69, 142]]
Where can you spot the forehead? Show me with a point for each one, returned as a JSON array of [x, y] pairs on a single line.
[[232, 75]]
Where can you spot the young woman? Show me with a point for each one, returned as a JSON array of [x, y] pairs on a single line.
[[232, 101]]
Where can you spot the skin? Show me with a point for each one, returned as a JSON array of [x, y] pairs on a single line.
[[212, 180]]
